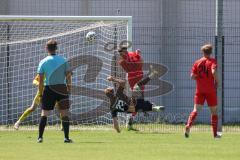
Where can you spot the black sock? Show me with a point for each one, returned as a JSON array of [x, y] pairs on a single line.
[[144, 81], [65, 124], [42, 124]]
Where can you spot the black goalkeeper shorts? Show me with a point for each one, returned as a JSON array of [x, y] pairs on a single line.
[[143, 106]]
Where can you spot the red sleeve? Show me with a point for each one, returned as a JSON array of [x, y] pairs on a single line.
[[124, 65], [194, 69], [138, 56], [214, 65]]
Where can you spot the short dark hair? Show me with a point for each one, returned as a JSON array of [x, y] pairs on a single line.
[[51, 45], [122, 48], [207, 48]]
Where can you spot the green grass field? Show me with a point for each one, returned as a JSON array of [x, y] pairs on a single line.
[[108, 145]]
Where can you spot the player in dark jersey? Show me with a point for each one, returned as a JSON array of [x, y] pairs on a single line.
[[204, 72], [119, 102]]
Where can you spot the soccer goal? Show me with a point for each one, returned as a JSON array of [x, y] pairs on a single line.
[[22, 44]]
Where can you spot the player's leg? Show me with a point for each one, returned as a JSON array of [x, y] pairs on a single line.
[[129, 121], [116, 125], [146, 106], [42, 124], [129, 116], [28, 111], [212, 103], [191, 118], [198, 104], [151, 75], [153, 72], [156, 108], [137, 84], [64, 105], [48, 103], [57, 106], [137, 92], [138, 89], [65, 124], [214, 120]]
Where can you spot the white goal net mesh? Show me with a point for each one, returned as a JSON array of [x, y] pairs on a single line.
[[22, 45]]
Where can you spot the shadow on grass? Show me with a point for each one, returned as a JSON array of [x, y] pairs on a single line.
[[163, 133], [137, 131], [133, 129], [93, 142]]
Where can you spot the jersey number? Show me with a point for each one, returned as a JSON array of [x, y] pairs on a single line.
[[120, 105]]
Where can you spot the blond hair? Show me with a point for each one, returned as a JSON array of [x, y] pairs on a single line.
[[207, 48]]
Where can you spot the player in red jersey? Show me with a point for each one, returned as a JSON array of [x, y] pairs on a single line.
[[204, 71], [132, 63]]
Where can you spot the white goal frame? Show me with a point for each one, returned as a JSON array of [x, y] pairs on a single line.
[[128, 19]]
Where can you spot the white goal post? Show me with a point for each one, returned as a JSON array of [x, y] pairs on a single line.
[[127, 19], [22, 41]]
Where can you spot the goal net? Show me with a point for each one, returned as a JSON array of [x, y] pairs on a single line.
[[22, 44]]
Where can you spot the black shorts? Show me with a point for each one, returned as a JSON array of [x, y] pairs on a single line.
[[143, 106], [55, 93]]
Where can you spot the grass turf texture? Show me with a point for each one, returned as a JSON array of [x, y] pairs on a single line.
[[108, 145]]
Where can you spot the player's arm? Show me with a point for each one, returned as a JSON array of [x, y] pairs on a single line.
[[116, 125], [116, 80], [41, 85], [194, 72], [193, 76], [141, 61], [41, 72], [138, 52], [69, 81], [36, 80], [124, 64], [68, 74], [214, 73]]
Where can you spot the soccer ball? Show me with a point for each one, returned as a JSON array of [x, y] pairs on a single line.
[[91, 36]]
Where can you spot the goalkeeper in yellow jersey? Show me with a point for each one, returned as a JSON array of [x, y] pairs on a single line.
[[36, 102]]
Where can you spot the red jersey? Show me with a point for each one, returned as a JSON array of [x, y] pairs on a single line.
[[202, 68], [132, 64]]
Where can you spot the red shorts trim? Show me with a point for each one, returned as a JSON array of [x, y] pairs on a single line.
[[211, 98]]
